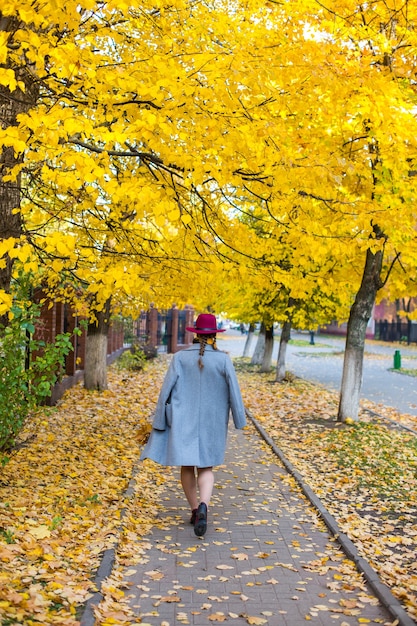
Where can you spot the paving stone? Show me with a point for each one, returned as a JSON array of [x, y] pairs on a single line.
[[266, 555]]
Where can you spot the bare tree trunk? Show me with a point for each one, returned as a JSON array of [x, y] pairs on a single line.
[[249, 338], [95, 371], [283, 343], [355, 339], [269, 346], [260, 347]]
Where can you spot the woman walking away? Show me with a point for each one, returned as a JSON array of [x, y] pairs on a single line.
[[192, 414]]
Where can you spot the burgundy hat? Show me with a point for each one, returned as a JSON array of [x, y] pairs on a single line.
[[205, 324]]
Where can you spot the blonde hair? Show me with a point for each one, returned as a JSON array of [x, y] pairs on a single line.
[[205, 340]]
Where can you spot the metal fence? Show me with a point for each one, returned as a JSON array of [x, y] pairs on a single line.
[[404, 332]]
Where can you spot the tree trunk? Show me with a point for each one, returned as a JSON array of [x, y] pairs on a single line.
[[356, 334], [95, 371], [248, 341], [269, 346], [283, 343], [260, 347], [11, 105]]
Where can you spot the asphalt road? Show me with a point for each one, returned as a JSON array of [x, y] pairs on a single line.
[[323, 363]]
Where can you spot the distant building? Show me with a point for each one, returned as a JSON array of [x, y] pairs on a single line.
[[389, 322]]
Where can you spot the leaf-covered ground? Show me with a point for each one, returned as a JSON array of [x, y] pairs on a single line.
[[63, 494], [365, 473], [63, 491]]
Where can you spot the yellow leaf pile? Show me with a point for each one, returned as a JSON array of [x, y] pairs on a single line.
[[63, 496]]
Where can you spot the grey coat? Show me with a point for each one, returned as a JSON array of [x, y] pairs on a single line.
[[192, 428]]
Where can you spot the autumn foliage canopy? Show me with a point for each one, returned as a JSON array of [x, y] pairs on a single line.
[[154, 141]]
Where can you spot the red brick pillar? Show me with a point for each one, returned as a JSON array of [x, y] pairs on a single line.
[[110, 340], [80, 348], [118, 336], [108, 349], [71, 358], [49, 317], [174, 329], [59, 318], [189, 321], [153, 327], [46, 324]]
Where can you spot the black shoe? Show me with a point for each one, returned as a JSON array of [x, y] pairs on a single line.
[[200, 525], [193, 516]]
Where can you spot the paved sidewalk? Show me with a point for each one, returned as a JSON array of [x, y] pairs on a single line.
[[267, 559]]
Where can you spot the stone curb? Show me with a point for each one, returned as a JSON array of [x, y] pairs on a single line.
[[381, 591], [107, 563]]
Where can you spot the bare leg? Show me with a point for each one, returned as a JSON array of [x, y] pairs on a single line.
[[189, 485], [205, 481]]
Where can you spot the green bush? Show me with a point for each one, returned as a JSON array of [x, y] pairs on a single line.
[[28, 371], [132, 360]]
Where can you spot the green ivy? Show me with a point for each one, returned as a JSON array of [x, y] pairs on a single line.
[[28, 371]]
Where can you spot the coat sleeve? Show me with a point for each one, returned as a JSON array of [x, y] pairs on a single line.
[[171, 377], [236, 402]]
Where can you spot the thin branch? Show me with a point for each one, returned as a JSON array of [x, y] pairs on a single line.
[[119, 153], [391, 267], [138, 102]]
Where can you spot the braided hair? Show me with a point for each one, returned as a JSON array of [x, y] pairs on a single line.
[[205, 340]]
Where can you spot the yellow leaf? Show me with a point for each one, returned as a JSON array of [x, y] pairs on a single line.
[[57, 265], [8, 79], [186, 218], [155, 574], [6, 245], [3, 46], [40, 532], [174, 215], [10, 137], [6, 302]]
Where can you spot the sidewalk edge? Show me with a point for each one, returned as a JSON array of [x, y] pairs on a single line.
[[107, 562]]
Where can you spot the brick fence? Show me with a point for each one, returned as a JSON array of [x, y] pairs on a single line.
[[57, 318], [164, 330]]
